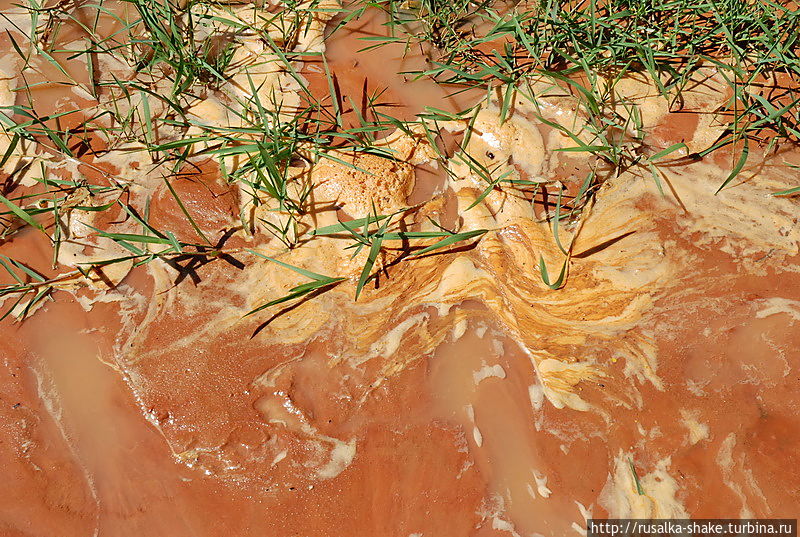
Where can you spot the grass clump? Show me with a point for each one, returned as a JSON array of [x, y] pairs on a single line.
[[174, 56]]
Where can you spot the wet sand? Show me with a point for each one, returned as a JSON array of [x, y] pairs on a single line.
[[459, 396]]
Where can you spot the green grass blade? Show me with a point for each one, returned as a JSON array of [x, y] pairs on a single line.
[[452, 239]]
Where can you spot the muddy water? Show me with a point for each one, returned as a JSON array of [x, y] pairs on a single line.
[[379, 72], [458, 396]]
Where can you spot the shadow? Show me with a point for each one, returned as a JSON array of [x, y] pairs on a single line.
[[602, 246], [458, 249], [193, 262], [287, 309]]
